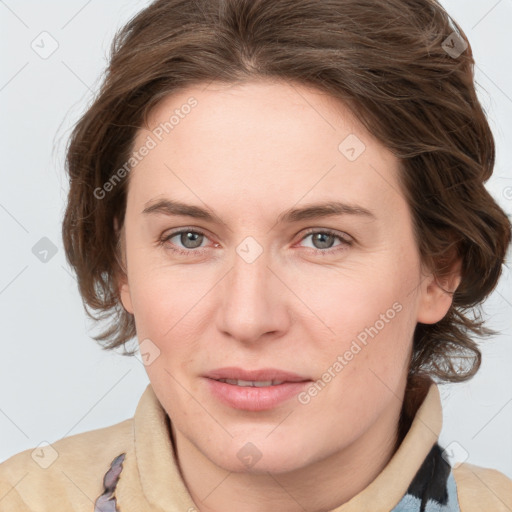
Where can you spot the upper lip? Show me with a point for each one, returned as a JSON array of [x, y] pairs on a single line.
[[263, 374]]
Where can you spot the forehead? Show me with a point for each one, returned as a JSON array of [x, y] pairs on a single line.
[[261, 141]]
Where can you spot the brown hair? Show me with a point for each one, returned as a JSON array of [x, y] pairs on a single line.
[[400, 65]]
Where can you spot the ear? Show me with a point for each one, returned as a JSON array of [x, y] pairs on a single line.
[[437, 294], [122, 280], [124, 294]]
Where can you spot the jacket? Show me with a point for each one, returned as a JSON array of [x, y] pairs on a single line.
[[131, 467]]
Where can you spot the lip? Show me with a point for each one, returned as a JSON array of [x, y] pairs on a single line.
[[263, 374], [250, 398]]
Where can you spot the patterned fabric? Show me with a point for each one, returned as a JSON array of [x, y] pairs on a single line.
[[107, 501], [432, 489]]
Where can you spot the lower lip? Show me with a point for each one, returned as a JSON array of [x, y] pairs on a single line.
[[251, 398]]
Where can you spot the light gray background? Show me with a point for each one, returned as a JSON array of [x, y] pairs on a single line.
[[54, 380]]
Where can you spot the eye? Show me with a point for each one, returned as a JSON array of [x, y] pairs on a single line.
[[323, 240], [188, 241]]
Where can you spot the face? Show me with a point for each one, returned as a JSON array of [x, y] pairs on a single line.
[[259, 279]]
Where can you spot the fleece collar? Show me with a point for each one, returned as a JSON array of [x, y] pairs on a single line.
[[147, 477]]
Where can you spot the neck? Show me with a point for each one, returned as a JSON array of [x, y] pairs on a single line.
[[320, 486]]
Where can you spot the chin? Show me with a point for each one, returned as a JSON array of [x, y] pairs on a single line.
[[254, 458]]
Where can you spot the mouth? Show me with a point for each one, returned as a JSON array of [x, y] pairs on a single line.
[[251, 383], [236, 375], [255, 390]]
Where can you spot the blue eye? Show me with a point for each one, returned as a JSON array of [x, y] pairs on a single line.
[[323, 240], [190, 241]]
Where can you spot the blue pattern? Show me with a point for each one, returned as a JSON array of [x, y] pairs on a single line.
[[410, 503]]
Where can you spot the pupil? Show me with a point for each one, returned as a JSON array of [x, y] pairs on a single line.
[[190, 237], [320, 238]]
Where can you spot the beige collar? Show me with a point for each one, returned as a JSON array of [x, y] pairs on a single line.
[[151, 479]]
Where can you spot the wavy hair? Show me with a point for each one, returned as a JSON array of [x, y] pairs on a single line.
[[403, 67]]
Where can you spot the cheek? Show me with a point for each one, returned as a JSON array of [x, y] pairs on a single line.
[[353, 306], [169, 307], [164, 297], [372, 320]]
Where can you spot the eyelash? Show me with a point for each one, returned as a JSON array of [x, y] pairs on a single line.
[[345, 242]]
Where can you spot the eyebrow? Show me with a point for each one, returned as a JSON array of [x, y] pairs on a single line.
[[313, 211]]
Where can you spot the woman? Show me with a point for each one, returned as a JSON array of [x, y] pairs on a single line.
[[284, 202]]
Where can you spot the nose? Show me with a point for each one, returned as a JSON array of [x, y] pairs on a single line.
[[252, 300]]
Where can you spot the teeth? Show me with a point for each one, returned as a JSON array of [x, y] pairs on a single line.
[[253, 383]]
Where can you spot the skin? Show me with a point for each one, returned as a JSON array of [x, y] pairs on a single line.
[[249, 152]]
